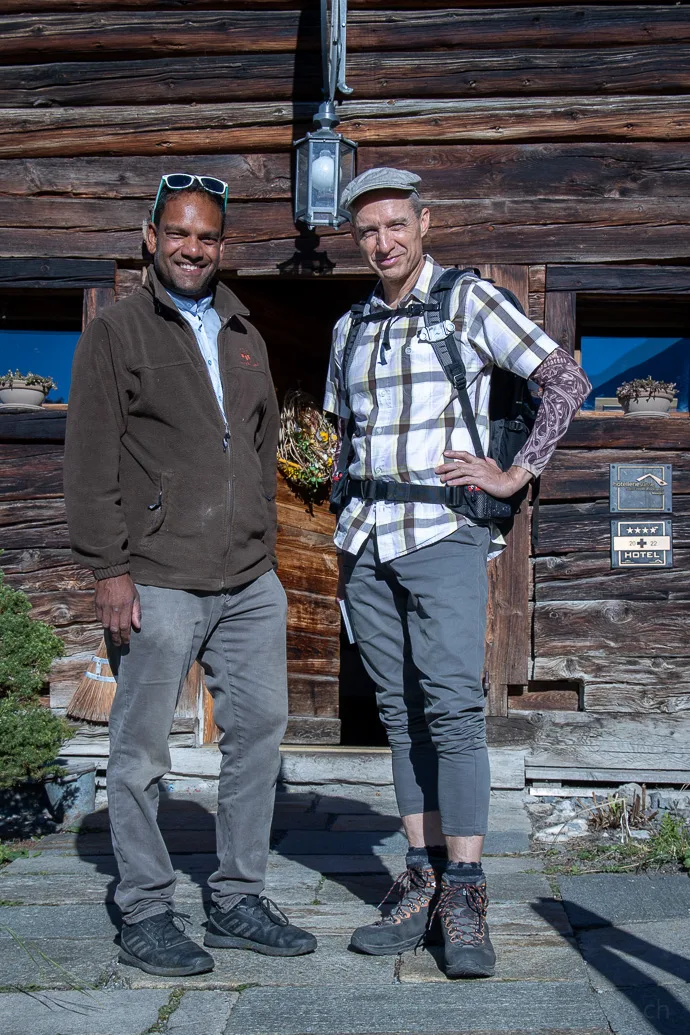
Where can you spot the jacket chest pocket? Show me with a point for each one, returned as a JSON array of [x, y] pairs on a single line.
[[246, 390]]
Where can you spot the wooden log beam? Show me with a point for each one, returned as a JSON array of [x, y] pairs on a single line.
[[566, 528], [31, 472], [45, 6], [256, 77], [587, 626], [563, 170], [627, 698], [589, 576], [606, 667], [262, 236], [46, 426], [614, 431], [207, 128], [579, 474], [610, 279], [50, 36]]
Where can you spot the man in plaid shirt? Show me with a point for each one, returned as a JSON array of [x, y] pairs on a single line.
[[414, 574]]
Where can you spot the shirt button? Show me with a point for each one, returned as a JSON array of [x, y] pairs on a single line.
[[378, 431], [377, 470], [408, 349]]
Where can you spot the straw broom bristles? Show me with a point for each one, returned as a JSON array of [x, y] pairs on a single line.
[[93, 697]]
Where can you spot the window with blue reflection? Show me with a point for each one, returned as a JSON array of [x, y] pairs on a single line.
[[611, 359], [45, 352]]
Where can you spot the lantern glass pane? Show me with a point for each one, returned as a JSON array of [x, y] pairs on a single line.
[[347, 171], [302, 182], [324, 156]]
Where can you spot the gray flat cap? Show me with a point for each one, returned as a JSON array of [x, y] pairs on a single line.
[[379, 179]]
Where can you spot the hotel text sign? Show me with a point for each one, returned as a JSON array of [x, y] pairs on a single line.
[[641, 489], [643, 492], [641, 544]]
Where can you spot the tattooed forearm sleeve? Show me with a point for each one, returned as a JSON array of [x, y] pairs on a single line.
[[564, 388]]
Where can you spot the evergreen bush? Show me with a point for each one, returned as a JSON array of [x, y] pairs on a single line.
[[28, 647], [30, 740]]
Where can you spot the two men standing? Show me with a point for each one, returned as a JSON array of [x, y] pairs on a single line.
[[170, 486]]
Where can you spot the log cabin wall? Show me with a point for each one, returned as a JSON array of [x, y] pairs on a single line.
[[550, 137]]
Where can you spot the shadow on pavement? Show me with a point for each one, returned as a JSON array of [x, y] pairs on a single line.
[[661, 1009]]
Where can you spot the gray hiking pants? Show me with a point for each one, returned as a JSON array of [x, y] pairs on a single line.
[[419, 621], [239, 637]]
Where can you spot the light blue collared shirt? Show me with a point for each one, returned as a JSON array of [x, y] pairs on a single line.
[[206, 323]]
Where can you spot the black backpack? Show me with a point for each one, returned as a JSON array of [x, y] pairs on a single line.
[[512, 408]]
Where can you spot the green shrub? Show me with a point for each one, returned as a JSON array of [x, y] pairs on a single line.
[[27, 647], [30, 740]]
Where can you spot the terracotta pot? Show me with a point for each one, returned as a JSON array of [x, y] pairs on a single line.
[[21, 394], [656, 406]]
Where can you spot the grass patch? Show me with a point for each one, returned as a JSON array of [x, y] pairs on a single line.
[[8, 854], [165, 1012], [667, 847]]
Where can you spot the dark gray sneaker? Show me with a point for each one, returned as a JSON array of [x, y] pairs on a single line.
[[409, 923], [257, 923], [462, 909], [159, 945]]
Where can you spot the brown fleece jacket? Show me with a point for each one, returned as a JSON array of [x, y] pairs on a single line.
[[152, 486]]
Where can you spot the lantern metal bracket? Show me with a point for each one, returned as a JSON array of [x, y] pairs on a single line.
[[334, 47]]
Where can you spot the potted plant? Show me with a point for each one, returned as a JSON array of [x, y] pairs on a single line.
[[29, 390], [37, 793], [645, 395]]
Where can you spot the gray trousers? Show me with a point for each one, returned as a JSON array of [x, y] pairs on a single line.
[[419, 621], [239, 637]]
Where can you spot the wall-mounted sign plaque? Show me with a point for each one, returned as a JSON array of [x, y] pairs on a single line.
[[641, 488], [641, 543]]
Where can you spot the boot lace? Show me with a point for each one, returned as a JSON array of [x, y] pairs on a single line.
[[171, 918], [416, 888], [462, 909]]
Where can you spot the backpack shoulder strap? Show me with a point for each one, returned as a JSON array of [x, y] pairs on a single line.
[[441, 331], [355, 333]]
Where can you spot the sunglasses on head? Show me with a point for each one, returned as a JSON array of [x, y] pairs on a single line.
[[181, 181]]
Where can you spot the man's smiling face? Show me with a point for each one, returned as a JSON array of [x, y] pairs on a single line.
[[187, 245], [389, 234]]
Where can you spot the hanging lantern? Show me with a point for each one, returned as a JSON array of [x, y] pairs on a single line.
[[325, 159], [325, 165]]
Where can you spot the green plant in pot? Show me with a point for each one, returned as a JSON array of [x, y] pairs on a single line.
[[30, 736], [26, 390], [645, 395]]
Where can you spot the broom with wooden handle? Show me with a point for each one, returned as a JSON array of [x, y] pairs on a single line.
[[93, 697]]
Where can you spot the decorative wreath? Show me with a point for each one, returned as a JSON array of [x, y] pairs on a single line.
[[307, 446]]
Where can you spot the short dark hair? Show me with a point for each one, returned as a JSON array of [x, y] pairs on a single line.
[[167, 193]]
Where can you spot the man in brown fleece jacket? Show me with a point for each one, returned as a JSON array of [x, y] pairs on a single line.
[[170, 469]]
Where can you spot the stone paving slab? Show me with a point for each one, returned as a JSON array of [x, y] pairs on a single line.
[[69, 962], [94, 887], [73, 921], [647, 1011], [638, 954], [332, 963], [436, 1009], [76, 1013], [538, 957], [597, 899], [202, 1013], [357, 798], [506, 842]]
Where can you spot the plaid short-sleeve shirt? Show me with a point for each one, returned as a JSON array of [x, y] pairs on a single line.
[[406, 412]]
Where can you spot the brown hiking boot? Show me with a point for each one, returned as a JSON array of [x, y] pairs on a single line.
[[408, 924], [462, 909]]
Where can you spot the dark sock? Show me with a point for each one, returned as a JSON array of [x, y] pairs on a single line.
[[426, 853], [462, 871]]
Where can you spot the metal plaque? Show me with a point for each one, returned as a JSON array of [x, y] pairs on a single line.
[[641, 543], [641, 488]]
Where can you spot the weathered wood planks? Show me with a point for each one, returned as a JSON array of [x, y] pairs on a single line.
[[49, 36], [584, 171], [654, 628], [578, 474], [589, 576], [566, 528], [614, 431], [213, 128], [257, 77]]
